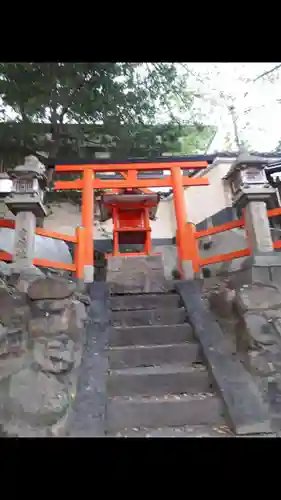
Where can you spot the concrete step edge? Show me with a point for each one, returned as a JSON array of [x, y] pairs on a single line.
[[165, 369], [152, 346], [147, 327], [158, 310], [177, 432], [202, 396]]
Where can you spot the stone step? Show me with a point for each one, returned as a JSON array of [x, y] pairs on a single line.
[[158, 380], [155, 335], [145, 301], [147, 317], [134, 356], [186, 431], [136, 288], [136, 263], [167, 411]]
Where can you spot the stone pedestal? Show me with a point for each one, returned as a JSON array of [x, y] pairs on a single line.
[[264, 264], [251, 191], [24, 240], [258, 229]]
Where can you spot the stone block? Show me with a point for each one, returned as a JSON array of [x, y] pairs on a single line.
[[57, 288], [135, 271], [13, 308], [275, 272], [259, 330], [50, 325], [26, 277], [51, 306], [260, 363], [12, 342], [57, 356]]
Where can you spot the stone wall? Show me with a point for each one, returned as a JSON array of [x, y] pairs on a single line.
[[41, 337], [250, 316], [258, 333]]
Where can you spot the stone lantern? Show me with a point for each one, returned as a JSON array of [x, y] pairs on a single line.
[[29, 184], [250, 193], [26, 201], [248, 181], [5, 185]]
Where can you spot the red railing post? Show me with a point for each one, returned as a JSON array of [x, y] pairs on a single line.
[[88, 223], [80, 252], [188, 257]]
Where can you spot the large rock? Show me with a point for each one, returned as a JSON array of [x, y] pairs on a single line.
[[13, 341], [51, 288], [5, 269], [57, 356], [13, 308], [41, 345], [258, 329], [49, 326], [52, 306], [38, 397], [257, 297], [45, 248], [27, 276]]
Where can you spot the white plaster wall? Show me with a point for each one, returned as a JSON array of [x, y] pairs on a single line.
[[65, 217], [162, 227], [204, 201]]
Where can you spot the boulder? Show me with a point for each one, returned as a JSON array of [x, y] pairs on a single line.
[[51, 288], [45, 248]]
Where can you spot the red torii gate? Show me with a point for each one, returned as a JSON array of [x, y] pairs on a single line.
[[185, 240]]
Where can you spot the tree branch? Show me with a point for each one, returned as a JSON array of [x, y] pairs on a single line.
[[266, 73]]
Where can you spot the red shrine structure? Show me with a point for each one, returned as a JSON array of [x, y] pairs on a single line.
[[131, 204], [131, 211]]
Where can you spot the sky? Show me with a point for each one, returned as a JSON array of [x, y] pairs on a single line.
[[261, 124]]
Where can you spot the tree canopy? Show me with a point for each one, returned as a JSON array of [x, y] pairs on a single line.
[[118, 102]]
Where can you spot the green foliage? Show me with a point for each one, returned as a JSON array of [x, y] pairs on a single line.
[[73, 110], [119, 100]]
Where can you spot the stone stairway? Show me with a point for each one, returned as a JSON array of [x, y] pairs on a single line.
[[156, 363], [158, 385]]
